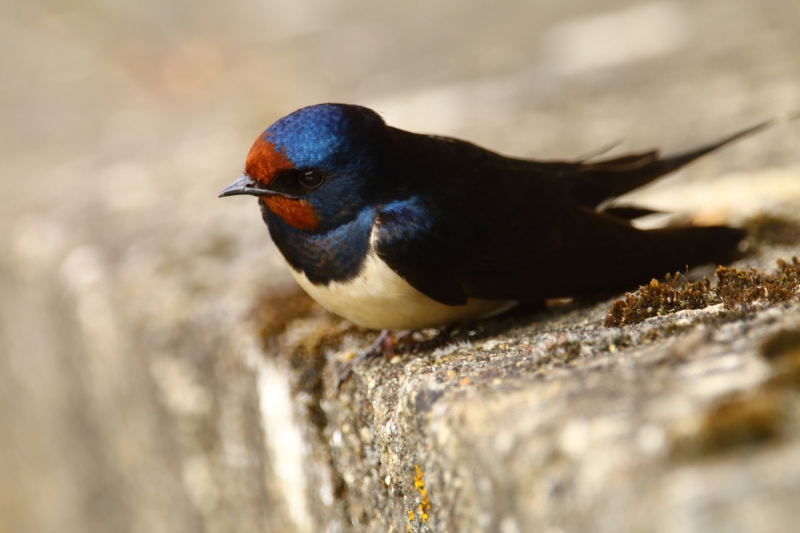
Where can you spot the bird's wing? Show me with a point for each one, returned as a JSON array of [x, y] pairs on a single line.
[[405, 238], [588, 253]]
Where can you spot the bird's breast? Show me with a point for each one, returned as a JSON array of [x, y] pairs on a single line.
[[378, 298]]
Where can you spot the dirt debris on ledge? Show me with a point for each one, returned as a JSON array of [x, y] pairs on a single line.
[[552, 421]]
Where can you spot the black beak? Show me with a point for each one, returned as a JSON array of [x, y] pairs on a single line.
[[245, 185]]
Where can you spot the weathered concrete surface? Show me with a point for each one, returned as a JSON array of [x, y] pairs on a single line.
[[135, 394], [553, 422]]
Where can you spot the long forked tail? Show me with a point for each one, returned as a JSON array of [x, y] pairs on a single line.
[[670, 250], [683, 247], [602, 254], [603, 180]]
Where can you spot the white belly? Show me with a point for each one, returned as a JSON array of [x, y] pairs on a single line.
[[380, 299]]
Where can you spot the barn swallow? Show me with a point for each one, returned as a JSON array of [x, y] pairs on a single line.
[[395, 230]]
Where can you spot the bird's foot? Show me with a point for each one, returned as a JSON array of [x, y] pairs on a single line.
[[383, 345], [387, 343]]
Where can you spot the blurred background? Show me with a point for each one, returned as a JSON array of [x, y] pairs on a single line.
[[129, 391]]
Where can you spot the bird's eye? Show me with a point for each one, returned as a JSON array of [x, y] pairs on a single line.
[[311, 179]]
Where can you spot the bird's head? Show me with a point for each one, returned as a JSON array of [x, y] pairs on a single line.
[[317, 167]]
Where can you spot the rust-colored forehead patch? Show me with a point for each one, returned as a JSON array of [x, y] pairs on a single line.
[[297, 213], [264, 161]]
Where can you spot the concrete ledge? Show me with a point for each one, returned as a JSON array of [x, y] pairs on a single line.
[[550, 422]]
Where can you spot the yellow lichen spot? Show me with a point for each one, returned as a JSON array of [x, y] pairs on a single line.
[[410, 515], [424, 504], [418, 482], [423, 514]]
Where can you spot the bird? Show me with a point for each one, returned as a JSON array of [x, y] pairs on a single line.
[[398, 231]]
